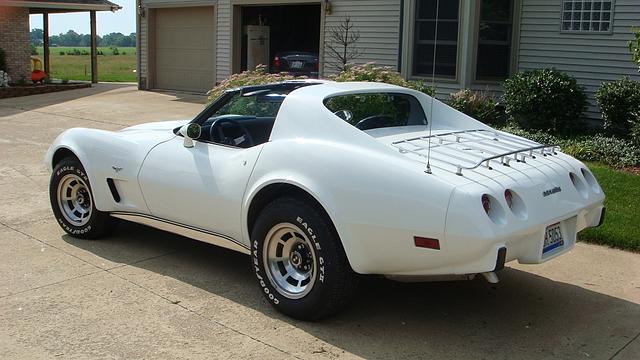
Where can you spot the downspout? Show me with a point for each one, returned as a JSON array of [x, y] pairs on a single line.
[[400, 36], [138, 42]]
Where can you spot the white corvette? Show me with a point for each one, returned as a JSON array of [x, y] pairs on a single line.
[[321, 181]]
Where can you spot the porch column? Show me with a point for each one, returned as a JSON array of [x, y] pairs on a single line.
[[45, 42], [94, 44]]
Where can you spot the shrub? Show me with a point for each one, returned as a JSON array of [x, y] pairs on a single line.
[[62, 53], [3, 61], [635, 129], [634, 47], [258, 76], [371, 72], [115, 51], [33, 49], [545, 99], [609, 150], [479, 105], [4, 79], [619, 101]]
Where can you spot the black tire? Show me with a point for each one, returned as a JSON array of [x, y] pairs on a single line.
[[334, 282], [96, 224]]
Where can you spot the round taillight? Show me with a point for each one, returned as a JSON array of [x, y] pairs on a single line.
[[508, 196], [579, 185], [591, 180], [486, 203]]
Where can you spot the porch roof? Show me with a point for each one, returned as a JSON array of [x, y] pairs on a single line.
[[52, 6]]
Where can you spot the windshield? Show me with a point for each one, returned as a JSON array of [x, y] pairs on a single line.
[[368, 111], [258, 103]]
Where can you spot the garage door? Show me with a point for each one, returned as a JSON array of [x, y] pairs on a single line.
[[184, 48]]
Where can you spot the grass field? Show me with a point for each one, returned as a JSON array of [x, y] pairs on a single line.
[[78, 67], [620, 228]]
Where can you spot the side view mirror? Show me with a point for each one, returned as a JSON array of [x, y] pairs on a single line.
[[190, 132]]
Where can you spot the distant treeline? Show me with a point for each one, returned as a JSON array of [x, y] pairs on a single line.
[[72, 38]]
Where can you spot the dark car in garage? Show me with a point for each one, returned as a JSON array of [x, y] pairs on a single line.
[[297, 63]]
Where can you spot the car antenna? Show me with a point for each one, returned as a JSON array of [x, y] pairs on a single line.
[[433, 86]]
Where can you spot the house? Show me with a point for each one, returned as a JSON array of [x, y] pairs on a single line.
[[192, 44], [14, 30]]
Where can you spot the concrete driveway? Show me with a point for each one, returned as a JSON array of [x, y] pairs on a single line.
[[146, 294]]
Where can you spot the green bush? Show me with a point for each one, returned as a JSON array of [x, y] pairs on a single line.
[[619, 102], [545, 99], [259, 76], [3, 61], [384, 74], [479, 105], [635, 129], [634, 47], [608, 150]]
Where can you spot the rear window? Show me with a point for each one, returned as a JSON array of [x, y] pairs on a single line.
[[368, 111]]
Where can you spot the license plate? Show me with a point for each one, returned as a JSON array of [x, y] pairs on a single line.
[[296, 64], [552, 238]]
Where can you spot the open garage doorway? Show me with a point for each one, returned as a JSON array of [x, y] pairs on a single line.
[[286, 38]]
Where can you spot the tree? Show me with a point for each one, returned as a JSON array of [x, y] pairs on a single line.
[[36, 36], [71, 38], [634, 47], [342, 39]]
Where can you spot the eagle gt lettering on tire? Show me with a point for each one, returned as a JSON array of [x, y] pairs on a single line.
[[72, 202], [299, 261]]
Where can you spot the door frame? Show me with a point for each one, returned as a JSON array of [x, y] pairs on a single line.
[[236, 27]]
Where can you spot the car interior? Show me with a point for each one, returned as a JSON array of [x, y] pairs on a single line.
[[244, 118]]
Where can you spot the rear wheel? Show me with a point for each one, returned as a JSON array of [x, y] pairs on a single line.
[[299, 261], [73, 204]]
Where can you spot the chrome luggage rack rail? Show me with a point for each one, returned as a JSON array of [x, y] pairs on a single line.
[[476, 143]]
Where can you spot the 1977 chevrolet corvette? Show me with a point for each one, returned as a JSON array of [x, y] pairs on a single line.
[[320, 181]]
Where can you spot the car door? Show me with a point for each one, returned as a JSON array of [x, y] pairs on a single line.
[[202, 186]]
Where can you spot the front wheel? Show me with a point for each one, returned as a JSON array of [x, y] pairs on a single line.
[[299, 260], [73, 204]]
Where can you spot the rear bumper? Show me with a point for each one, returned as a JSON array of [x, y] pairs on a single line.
[[479, 254], [527, 246]]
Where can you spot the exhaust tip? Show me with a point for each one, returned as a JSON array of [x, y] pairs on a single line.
[[491, 277]]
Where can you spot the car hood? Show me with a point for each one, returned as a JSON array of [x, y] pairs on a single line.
[[158, 125]]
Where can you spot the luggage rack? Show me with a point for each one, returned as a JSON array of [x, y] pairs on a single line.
[[499, 147]]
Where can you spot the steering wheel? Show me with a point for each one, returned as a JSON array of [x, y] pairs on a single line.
[[374, 121], [216, 133]]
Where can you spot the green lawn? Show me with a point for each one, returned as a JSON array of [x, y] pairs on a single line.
[[621, 228], [78, 67]]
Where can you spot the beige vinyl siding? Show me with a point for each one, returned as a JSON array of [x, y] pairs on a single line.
[[143, 50], [223, 43], [590, 57], [378, 22]]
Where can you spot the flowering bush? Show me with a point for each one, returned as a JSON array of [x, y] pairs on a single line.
[[384, 74], [258, 76], [366, 72], [479, 105], [4, 79]]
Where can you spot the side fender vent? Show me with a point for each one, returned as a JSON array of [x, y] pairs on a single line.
[[114, 190]]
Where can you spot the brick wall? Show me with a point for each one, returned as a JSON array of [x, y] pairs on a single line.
[[14, 40]]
